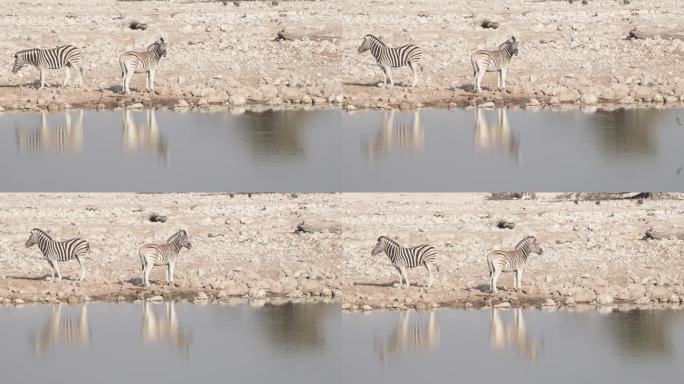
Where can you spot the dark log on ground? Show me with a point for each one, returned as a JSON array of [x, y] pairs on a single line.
[[157, 218], [292, 36], [652, 234], [318, 226], [489, 24], [136, 25], [636, 33]]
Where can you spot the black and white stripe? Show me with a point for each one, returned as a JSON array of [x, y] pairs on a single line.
[[403, 258], [141, 62], [511, 261], [55, 58], [493, 61], [163, 254], [388, 58], [59, 251]]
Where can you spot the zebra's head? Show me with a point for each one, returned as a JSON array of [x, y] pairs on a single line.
[[379, 246], [367, 42], [33, 238], [180, 238], [159, 47], [512, 44], [19, 62], [532, 245]]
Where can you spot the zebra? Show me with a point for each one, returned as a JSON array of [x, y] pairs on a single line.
[[403, 258], [163, 254], [388, 58], [55, 58], [493, 61], [58, 251], [511, 261], [141, 62]]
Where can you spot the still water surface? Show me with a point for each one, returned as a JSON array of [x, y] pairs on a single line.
[[430, 150], [317, 343]]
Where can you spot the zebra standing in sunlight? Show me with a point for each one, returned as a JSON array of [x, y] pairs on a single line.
[[403, 258], [493, 61], [511, 261], [141, 62], [58, 251], [388, 58], [55, 58], [163, 254]]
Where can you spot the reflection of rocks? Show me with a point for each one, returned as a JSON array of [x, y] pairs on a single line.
[[399, 136], [60, 138], [503, 335], [62, 329], [296, 325], [410, 336], [497, 137], [146, 137], [641, 333], [165, 328]]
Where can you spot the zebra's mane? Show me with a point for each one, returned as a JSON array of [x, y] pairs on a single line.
[[523, 241], [388, 240], [24, 51], [176, 236], [375, 38], [42, 232]]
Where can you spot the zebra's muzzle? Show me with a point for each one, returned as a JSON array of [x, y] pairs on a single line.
[[362, 49]]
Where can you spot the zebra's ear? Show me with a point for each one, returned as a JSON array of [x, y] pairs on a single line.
[[513, 39], [161, 40]]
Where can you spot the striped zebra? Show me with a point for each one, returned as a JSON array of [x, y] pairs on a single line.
[[163, 254], [58, 251], [55, 58], [493, 61], [403, 258], [141, 62], [388, 58], [511, 261]]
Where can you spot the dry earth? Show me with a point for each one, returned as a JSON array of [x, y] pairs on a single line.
[[245, 247], [226, 55]]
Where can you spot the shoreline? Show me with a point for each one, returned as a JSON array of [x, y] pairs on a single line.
[[228, 56], [249, 247]]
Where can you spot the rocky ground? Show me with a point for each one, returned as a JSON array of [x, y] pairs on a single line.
[[225, 55], [592, 253], [244, 247]]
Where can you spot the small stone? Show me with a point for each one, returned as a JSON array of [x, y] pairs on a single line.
[[256, 293], [201, 296], [488, 104], [505, 304], [222, 294], [19, 301], [570, 301], [367, 307], [136, 106], [588, 99], [156, 298], [549, 303], [533, 102], [237, 100]]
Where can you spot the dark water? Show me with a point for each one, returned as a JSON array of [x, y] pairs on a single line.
[[316, 343], [432, 150]]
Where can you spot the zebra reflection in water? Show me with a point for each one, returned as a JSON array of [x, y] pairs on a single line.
[[496, 137], [410, 336], [144, 137], [399, 136], [65, 329], [60, 138], [166, 328], [505, 335]]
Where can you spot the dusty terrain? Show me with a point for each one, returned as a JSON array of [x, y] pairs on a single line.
[[226, 55], [591, 252], [245, 247]]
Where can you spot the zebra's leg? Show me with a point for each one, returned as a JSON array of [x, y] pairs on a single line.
[[384, 75], [66, 77], [42, 79], [52, 267], [503, 79], [498, 79], [172, 270], [389, 74], [168, 271], [520, 273], [401, 277], [402, 270], [80, 264], [147, 272], [427, 266], [495, 277], [152, 71], [56, 267], [415, 74]]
